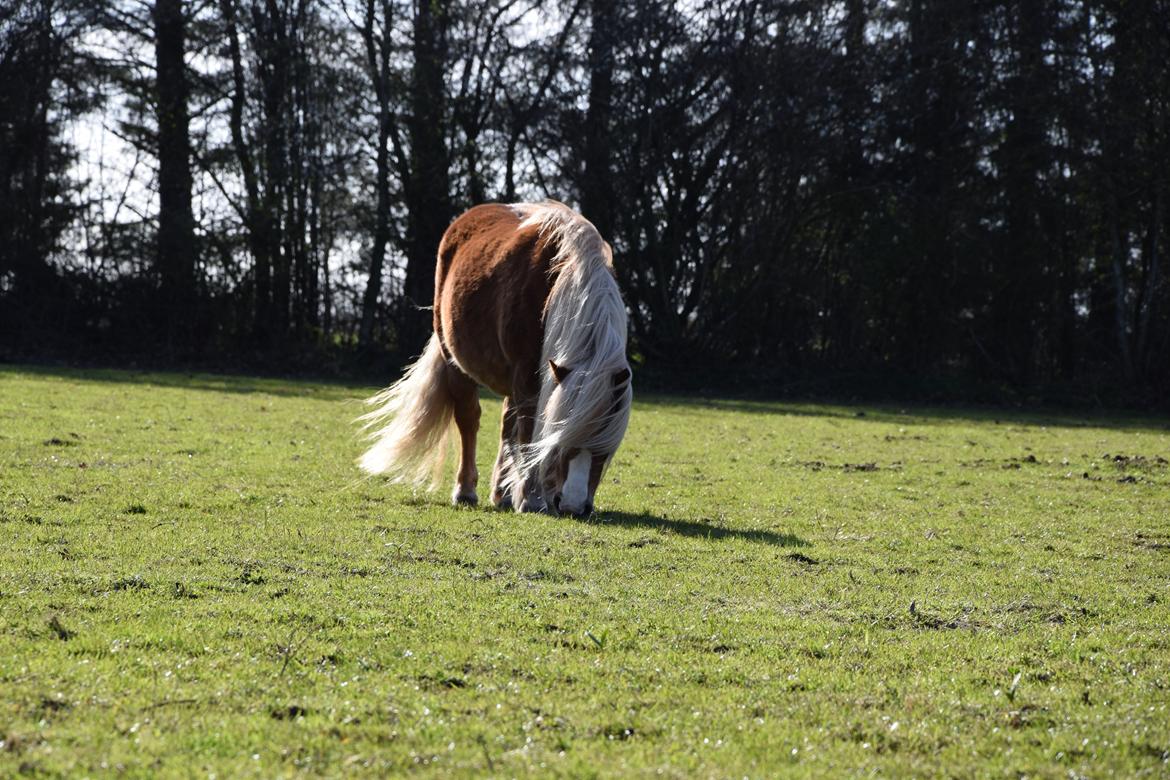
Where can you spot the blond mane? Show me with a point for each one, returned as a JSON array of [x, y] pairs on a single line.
[[585, 331]]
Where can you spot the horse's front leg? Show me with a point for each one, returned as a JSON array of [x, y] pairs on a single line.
[[526, 493], [505, 461]]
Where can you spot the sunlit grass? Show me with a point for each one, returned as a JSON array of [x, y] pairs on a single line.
[[194, 579]]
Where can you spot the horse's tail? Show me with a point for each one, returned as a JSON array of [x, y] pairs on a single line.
[[411, 422]]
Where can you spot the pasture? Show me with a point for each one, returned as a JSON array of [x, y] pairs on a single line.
[[195, 581]]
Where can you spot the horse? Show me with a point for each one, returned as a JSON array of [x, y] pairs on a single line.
[[526, 304]]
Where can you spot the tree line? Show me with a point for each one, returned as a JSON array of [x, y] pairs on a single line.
[[924, 187]]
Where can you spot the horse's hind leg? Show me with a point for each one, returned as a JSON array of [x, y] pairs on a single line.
[[465, 400]]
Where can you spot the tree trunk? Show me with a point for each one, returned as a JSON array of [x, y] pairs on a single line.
[[273, 31], [256, 220], [429, 203], [596, 191], [1027, 254], [175, 262], [1151, 281], [1119, 144], [378, 63]]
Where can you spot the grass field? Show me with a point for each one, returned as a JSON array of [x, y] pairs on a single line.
[[194, 581]]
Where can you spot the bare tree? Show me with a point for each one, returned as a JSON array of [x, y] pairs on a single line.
[[177, 249]]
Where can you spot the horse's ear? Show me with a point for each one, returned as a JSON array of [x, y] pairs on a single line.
[[559, 372], [621, 377]]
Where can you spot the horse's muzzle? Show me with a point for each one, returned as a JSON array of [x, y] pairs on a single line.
[[585, 510]]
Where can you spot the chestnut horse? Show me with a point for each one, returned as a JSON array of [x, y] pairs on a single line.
[[526, 304]]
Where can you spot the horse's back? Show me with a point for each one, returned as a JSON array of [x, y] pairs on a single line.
[[491, 282]]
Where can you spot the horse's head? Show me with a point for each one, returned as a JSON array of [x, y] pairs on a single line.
[[583, 417], [585, 392]]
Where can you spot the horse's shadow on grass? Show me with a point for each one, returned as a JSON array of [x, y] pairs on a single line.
[[690, 528]]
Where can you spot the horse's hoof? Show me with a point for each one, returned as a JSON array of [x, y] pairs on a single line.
[[503, 501], [464, 499]]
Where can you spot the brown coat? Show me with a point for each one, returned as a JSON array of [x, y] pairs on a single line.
[[495, 276]]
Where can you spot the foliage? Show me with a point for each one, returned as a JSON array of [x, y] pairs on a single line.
[[975, 191], [194, 580]]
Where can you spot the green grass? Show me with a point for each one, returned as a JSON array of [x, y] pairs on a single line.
[[194, 580]]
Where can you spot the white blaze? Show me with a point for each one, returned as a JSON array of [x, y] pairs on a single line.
[[576, 489]]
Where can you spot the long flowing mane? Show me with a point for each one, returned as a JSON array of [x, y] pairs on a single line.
[[584, 330]]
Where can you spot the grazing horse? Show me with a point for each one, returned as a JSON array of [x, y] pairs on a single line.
[[526, 304]]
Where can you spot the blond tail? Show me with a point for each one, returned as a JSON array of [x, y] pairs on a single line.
[[411, 422]]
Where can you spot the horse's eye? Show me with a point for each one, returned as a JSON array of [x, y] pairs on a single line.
[[621, 377]]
